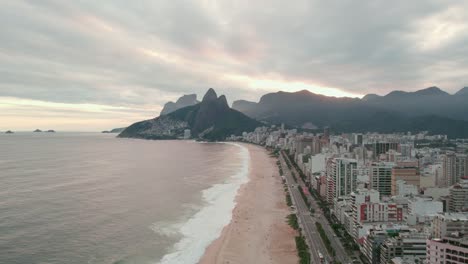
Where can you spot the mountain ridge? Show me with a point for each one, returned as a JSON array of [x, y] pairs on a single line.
[[300, 108], [211, 119], [183, 101]]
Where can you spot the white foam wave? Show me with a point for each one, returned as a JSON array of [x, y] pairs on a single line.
[[206, 225]]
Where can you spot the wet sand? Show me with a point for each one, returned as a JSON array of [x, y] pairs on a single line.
[[258, 232]]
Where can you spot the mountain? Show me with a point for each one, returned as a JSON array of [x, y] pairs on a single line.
[[429, 101], [301, 108], [184, 101], [426, 109], [368, 97], [115, 130], [463, 92], [244, 106], [388, 122], [211, 119]]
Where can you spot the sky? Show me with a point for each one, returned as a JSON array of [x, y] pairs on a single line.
[[89, 65]]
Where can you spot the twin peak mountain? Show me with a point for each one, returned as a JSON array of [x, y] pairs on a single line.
[[211, 119]]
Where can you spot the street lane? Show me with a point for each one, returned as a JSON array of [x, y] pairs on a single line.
[[340, 252], [307, 222]]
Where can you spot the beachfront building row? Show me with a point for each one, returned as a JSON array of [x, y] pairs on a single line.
[[392, 194]]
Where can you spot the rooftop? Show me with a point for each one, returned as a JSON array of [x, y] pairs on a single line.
[[454, 216]]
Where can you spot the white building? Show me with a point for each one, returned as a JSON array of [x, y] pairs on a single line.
[[451, 250], [341, 177], [187, 134], [422, 210], [367, 208], [445, 224], [404, 189], [459, 197]]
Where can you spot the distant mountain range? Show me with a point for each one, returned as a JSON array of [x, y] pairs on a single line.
[[211, 119], [429, 101], [430, 109]]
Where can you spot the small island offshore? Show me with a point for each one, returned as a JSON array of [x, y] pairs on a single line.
[[47, 131]]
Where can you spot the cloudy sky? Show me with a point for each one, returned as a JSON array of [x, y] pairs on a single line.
[[91, 65]]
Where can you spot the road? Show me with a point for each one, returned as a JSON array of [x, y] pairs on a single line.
[[340, 252], [306, 221]]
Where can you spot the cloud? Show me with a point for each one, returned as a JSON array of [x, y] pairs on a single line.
[[132, 54]]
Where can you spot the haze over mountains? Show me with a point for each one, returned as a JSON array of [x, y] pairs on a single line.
[[211, 119], [429, 109], [184, 101]]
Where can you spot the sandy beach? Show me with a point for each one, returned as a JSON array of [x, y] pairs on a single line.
[[258, 232]]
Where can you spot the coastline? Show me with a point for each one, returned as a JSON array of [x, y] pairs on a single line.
[[206, 225], [258, 231]]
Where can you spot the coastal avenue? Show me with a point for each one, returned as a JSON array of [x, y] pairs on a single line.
[[309, 221], [305, 219]]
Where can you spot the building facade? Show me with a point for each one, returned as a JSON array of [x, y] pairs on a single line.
[[448, 223], [380, 176], [408, 172], [458, 197], [449, 250], [454, 167], [341, 177]]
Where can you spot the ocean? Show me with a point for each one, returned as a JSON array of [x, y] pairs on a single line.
[[94, 198]]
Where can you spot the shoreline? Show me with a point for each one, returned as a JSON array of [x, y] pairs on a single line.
[[258, 231], [205, 226]]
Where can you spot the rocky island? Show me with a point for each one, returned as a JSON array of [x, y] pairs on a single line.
[[212, 119]]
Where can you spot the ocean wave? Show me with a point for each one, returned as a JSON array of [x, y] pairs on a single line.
[[207, 224]]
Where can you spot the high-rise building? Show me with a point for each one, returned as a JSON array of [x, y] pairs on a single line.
[[406, 149], [341, 174], [360, 199], [382, 148], [367, 208], [303, 142], [458, 198], [422, 209], [454, 167], [453, 250], [187, 134], [371, 246], [326, 132], [358, 139], [406, 245], [380, 176], [445, 224], [404, 189], [406, 171]]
